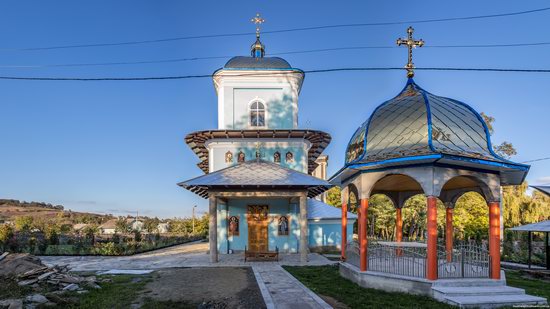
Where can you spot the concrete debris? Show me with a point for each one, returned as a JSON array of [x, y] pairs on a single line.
[[11, 304], [36, 298], [28, 270]]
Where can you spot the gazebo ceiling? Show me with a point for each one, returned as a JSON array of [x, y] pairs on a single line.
[[197, 141], [397, 183]]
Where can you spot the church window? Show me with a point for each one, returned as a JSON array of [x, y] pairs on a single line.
[[228, 157], [283, 225], [289, 157], [277, 157], [241, 157], [257, 114], [233, 226]]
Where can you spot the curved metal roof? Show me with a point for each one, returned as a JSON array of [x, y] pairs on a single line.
[[418, 127], [242, 62], [417, 122]]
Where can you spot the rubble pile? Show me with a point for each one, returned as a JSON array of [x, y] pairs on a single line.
[[29, 271]]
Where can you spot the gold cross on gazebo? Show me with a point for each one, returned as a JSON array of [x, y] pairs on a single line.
[[411, 43], [258, 20]]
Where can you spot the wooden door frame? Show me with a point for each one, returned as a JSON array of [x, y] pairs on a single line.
[[264, 221]]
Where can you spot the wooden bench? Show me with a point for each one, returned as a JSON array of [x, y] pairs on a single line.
[[262, 255]]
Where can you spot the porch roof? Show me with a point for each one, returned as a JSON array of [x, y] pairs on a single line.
[[543, 226], [255, 175], [317, 210]]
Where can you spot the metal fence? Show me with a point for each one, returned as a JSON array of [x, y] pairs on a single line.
[[463, 261], [398, 260]]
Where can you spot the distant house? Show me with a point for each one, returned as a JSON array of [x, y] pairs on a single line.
[[135, 224], [79, 227], [163, 227], [108, 227]]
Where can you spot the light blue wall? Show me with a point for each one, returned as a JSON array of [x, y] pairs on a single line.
[[278, 101], [249, 149], [321, 233], [328, 233]]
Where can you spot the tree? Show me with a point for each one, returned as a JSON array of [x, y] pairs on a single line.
[[150, 225], [24, 223], [334, 197], [6, 233], [122, 225]]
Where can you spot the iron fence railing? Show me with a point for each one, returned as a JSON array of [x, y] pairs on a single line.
[[398, 260], [463, 261]]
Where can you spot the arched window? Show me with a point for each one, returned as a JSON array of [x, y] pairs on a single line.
[[257, 114]]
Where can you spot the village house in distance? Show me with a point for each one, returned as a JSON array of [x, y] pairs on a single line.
[[258, 164]]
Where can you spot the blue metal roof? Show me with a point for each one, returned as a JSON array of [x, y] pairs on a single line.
[[418, 124], [266, 63]]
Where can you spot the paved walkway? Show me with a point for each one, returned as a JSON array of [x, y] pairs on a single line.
[[281, 290], [193, 254]]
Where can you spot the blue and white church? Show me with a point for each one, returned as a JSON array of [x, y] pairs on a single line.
[[259, 164]]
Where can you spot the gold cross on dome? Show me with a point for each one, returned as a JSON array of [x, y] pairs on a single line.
[[411, 43], [258, 20]]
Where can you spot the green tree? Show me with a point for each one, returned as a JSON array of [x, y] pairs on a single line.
[[150, 225], [334, 197], [6, 233], [122, 225]]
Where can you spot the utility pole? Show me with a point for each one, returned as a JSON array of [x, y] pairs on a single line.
[[195, 206]]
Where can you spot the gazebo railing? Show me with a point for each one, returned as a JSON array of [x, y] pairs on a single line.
[[352, 253], [398, 260], [464, 261]]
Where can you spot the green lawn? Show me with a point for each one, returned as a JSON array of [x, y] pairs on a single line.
[[534, 287], [326, 280]]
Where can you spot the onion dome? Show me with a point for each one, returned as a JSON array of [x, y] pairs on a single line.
[[416, 125]]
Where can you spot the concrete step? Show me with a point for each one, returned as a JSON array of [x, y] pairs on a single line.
[[452, 291], [468, 282], [494, 301]]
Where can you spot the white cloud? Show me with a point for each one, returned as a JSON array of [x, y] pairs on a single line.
[[543, 180]]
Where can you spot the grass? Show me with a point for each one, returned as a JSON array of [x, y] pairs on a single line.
[[326, 280], [532, 286], [120, 293]]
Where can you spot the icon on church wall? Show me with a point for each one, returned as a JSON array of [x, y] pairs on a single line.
[[277, 157], [289, 157], [283, 225], [228, 157], [241, 157], [258, 154], [233, 226]]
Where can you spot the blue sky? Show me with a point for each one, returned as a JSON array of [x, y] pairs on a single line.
[[116, 147]]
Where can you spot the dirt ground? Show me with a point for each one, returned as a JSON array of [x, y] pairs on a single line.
[[218, 287]]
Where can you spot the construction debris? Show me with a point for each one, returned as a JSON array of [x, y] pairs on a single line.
[[28, 270]]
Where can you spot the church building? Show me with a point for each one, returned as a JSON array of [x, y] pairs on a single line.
[[259, 164]]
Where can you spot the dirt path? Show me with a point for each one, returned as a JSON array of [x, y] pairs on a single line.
[[221, 287]]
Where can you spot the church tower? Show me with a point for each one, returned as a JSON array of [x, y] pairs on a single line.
[[258, 115]]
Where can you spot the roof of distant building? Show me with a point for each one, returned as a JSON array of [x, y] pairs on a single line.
[[322, 211]]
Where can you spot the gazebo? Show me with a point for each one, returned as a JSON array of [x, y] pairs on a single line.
[[542, 227], [422, 143]]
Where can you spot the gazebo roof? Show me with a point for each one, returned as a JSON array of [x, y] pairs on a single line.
[[255, 174], [543, 226], [197, 141], [418, 127], [544, 189]]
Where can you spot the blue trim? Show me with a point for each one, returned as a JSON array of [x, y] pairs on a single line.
[[514, 166], [396, 160], [409, 81], [429, 116]]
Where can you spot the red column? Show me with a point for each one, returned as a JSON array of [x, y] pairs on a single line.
[[344, 230], [363, 210], [494, 239], [398, 229], [449, 233], [431, 259]]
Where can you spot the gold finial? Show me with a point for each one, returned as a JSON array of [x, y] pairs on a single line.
[[411, 43], [259, 153], [258, 20]]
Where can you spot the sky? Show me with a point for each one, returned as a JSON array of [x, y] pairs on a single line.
[[118, 146]]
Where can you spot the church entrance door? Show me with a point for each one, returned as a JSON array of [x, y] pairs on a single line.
[[257, 228]]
